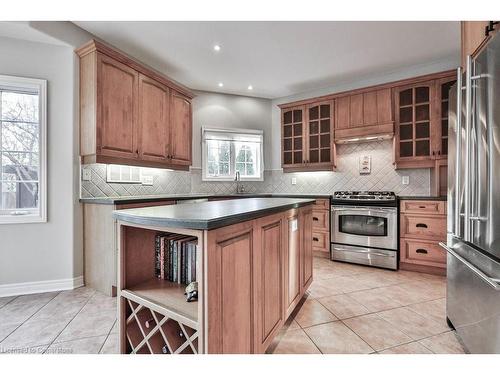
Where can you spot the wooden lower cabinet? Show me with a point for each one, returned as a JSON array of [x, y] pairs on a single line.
[[257, 272], [321, 228], [423, 226]]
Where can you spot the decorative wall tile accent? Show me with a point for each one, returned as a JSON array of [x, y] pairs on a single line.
[[347, 177]]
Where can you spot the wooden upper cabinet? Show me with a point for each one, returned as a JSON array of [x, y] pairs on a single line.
[[181, 125], [474, 37], [154, 134], [319, 133], [364, 114], [443, 87], [307, 137], [129, 113], [116, 108], [415, 127]]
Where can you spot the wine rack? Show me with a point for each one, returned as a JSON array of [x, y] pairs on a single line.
[[149, 331]]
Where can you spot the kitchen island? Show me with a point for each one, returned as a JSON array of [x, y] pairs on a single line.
[[253, 264]]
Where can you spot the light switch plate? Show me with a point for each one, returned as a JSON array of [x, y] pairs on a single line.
[[86, 175], [294, 180], [405, 180], [147, 180]]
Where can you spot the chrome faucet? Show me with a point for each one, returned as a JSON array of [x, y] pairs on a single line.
[[239, 186]]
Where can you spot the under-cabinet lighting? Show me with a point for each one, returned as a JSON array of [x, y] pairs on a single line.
[[221, 84], [217, 48], [250, 87]]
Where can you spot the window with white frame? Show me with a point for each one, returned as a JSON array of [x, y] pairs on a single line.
[[22, 150], [226, 151]]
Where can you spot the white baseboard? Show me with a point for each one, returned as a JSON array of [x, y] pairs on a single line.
[[40, 286]]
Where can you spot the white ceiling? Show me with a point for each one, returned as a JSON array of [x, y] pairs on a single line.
[[279, 58]]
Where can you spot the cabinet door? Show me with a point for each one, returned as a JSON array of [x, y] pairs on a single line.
[[181, 129], [441, 140], [292, 131], [473, 35], [154, 129], [269, 278], [306, 246], [116, 126], [384, 106], [292, 262], [342, 113], [370, 108], [319, 132], [230, 254], [414, 123], [356, 110]]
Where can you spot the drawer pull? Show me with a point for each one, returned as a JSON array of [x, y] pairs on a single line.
[[422, 207], [421, 251], [316, 239], [421, 225], [315, 219]]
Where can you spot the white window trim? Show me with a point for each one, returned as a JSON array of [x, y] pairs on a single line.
[[232, 173], [41, 86]]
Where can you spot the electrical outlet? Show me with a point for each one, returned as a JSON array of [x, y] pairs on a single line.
[[86, 175], [405, 180], [147, 180], [294, 180]]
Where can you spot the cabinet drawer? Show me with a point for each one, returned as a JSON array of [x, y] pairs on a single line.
[[320, 220], [322, 204], [424, 207], [321, 241], [431, 227], [427, 253]]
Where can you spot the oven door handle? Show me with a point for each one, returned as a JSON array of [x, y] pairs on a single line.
[[386, 211], [363, 251]]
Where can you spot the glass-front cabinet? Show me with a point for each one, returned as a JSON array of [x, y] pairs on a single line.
[[307, 137], [414, 124]]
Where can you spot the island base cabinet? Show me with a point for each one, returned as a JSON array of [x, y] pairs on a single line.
[[257, 272]]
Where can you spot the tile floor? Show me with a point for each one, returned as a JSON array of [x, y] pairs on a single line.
[[348, 309], [356, 309]]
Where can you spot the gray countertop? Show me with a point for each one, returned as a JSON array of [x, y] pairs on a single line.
[[208, 215], [185, 196], [422, 198]]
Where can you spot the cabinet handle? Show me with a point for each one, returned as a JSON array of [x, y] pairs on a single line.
[[421, 206], [433, 153], [315, 219], [421, 251], [421, 225], [316, 239], [439, 152]]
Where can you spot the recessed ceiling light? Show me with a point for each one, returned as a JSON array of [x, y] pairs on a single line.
[[216, 48], [250, 87], [221, 84]]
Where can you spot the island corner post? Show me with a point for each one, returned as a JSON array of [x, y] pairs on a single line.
[[251, 275]]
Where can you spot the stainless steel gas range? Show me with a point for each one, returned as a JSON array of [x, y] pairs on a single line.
[[364, 228]]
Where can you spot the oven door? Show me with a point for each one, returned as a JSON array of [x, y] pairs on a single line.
[[365, 226]]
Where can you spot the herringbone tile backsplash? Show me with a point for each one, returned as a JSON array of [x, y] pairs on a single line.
[[347, 177]]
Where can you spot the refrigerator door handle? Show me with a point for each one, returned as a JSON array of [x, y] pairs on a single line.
[[458, 143], [492, 282], [468, 105]]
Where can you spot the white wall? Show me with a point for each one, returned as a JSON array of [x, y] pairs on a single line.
[[230, 111], [53, 250]]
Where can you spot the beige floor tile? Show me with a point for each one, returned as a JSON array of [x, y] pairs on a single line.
[[322, 288], [111, 345], [88, 324], [378, 333], [375, 299], [61, 308], [410, 348], [337, 338], [343, 306], [34, 333], [7, 329], [91, 345], [19, 313], [444, 343], [294, 342], [379, 278], [100, 301], [407, 294], [435, 309], [5, 300], [34, 299], [312, 312], [84, 292], [350, 284], [414, 325], [115, 328]]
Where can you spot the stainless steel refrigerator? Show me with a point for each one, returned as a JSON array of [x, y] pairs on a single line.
[[473, 240]]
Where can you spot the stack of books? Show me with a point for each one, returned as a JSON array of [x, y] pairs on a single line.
[[175, 258]]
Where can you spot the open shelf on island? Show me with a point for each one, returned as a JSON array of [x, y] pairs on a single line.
[[166, 295]]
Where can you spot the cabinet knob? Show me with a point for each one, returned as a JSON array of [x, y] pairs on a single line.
[[315, 219], [316, 239]]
